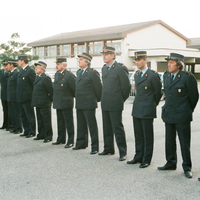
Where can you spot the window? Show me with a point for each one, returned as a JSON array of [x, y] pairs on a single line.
[[41, 52], [95, 48], [53, 51], [79, 48], [50, 51], [65, 50]]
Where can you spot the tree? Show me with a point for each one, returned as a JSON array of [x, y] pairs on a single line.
[[13, 48]]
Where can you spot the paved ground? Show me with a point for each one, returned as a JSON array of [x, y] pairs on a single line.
[[34, 170]]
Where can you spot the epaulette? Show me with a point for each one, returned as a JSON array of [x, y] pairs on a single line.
[[122, 64], [47, 75], [154, 71], [189, 73], [104, 65], [165, 72], [94, 69]]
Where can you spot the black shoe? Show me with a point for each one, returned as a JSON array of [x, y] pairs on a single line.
[[77, 148], [69, 145], [167, 167], [188, 174], [57, 143], [106, 153], [38, 138], [93, 152], [12, 131], [7, 129], [133, 161], [122, 158], [198, 179], [23, 134], [30, 136], [144, 165], [46, 141]]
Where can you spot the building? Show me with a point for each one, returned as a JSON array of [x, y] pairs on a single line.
[[156, 37]]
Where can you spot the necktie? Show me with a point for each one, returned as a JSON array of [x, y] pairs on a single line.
[[140, 75], [172, 78], [81, 73]]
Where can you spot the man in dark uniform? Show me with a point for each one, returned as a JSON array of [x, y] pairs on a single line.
[[14, 111], [182, 95], [63, 102], [4, 80], [42, 97], [148, 94], [116, 89], [26, 78], [88, 93]]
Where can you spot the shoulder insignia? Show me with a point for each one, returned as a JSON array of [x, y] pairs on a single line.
[[179, 75], [188, 72], [47, 75], [165, 72], [122, 64], [94, 69], [156, 72], [146, 74]]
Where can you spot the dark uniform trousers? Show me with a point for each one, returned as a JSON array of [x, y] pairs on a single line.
[[112, 125], [44, 123], [65, 122], [14, 112], [86, 119], [5, 113], [28, 118], [184, 135], [144, 139]]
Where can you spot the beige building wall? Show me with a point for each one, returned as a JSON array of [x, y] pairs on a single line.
[[156, 36]]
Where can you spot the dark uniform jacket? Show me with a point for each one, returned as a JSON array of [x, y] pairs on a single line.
[[64, 90], [116, 87], [148, 94], [3, 80], [12, 86], [25, 82], [88, 89], [42, 95], [181, 98]]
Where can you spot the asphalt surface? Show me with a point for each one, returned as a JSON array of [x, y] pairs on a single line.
[[33, 170]]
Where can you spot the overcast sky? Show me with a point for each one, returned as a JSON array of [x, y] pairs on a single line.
[[38, 19]]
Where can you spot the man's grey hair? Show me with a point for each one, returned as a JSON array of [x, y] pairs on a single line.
[[42, 67], [88, 62], [64, 63]]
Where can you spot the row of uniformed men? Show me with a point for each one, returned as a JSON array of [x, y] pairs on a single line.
[[88, 90]]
